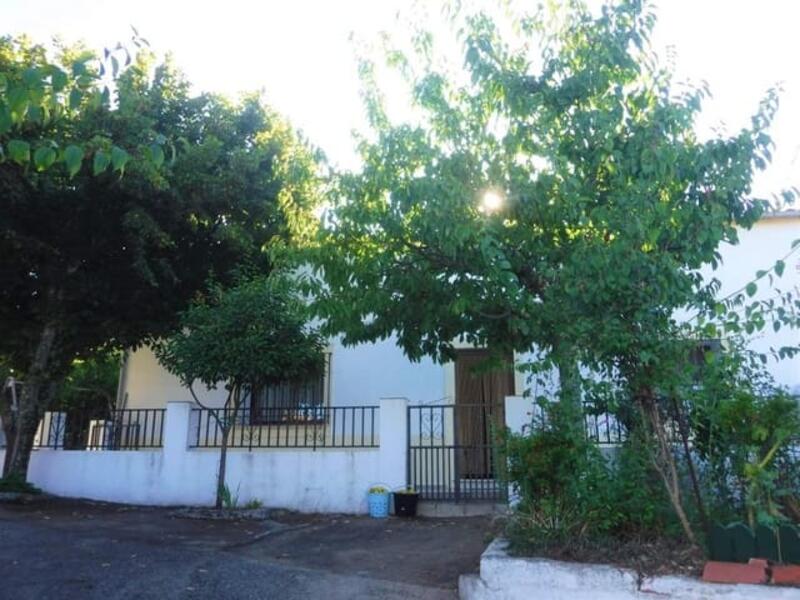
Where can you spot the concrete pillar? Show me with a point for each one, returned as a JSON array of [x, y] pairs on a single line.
[[519, 413], [393, 453], [176, 428]]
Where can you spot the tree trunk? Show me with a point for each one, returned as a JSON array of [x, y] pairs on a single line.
[[223, 459], [664, 460], [36, 391], [230, 411], [9, 420]]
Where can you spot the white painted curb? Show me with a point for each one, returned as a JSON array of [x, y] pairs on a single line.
[[505, 577]]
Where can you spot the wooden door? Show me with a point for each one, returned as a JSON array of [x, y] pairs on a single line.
[[479, 409]]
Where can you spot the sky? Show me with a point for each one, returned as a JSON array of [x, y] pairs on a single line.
[[301, 54]]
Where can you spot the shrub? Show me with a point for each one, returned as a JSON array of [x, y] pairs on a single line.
[[563, 483]]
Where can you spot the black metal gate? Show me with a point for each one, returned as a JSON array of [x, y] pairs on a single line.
[[452, 452]]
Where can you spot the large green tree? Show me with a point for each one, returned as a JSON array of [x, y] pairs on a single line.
[[552, 194], [149, 192]]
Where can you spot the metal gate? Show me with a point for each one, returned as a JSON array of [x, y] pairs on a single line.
[[452, 452]]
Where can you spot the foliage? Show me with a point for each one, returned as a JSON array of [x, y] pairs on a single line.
[[253, 334], [230, 501], [93, 260], [91, 382], [604, 185], [378, 489], [560, 479], [744, 429], [253, 504], [40, 99]]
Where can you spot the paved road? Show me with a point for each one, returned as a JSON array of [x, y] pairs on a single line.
[[74, 550]]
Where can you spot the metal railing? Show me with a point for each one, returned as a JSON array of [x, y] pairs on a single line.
[[452, 452], [601, 427], [300, 427], [123, 429]]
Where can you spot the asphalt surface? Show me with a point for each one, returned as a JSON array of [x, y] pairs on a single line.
[[66, 549]]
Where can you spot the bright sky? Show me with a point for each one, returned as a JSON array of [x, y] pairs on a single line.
[[299, 52]]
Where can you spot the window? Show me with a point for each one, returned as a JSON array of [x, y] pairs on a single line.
[[290, 402]]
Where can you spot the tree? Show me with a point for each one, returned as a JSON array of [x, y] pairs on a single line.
[[245, 338], [553, 195], [172, 190]]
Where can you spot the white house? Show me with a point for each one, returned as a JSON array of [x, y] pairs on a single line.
[[374, 418], [363, 374]]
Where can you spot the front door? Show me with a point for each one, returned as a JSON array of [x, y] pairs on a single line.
[[479, 409]]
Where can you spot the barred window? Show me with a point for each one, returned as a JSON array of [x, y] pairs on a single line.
[[289, 401]]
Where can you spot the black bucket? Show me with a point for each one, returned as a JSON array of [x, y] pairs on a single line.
[[405, 504]]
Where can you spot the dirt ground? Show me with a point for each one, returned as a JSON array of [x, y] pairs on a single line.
[[74, 549]]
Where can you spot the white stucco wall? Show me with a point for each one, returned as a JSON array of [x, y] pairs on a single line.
[[147, 384], [363, 374], [294, 479], [360, 376], [758, 249], [322, 480]]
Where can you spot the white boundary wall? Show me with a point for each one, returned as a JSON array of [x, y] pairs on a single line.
[[322, 480]]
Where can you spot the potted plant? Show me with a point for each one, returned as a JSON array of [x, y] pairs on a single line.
[[405, 502], [378, 501]]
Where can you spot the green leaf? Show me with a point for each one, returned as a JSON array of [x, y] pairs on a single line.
[[5, 120], [3, 83], [75, 97], [31, 77], [100, 163], [58, 80], [119, 158], [19, 151], [35, 114], [73, 157], [18, 101], [79, 68], [779, 267], [751, 289], [44, 158], [156, 155]]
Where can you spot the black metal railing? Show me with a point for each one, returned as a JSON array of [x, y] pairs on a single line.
[[453, 454], [601, 426], [124, 429], [310, 427]]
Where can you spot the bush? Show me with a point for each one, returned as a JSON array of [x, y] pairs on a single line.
[[562, 481], [572, 495]]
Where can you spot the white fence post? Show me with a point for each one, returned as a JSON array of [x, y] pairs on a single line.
[[393, 453], [176, 428]]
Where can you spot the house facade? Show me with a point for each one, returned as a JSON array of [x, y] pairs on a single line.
[[374, 418], [365, 373]]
